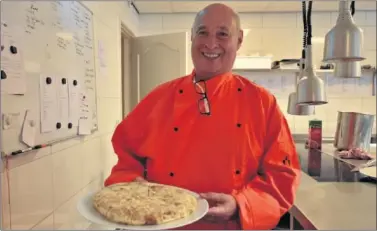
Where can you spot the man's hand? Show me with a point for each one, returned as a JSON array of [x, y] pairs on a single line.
[[222, 206]]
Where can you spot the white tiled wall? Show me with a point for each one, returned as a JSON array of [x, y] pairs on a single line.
[[280, 34], [44, 186]]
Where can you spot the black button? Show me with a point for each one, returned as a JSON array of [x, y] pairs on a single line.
[[58, 125], [180, 91], [175, 129], [171, 174], [64, 80], [70, 125], [239, 89], [48, 80], [74, 82], [238, 172], [239, 125], [3, 74], [2, 47], [13, 49]]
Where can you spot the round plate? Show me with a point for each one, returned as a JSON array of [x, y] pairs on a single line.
[[369, 171], [87, 210]]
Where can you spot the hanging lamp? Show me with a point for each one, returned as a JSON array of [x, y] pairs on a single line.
[[344, 42], [348, 69], [293, 107], [310, 88]]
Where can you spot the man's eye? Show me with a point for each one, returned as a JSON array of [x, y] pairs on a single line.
[[223, 34], [202, 32]]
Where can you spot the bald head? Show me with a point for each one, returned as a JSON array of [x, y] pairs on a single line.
[[215, 39], [219, 9]]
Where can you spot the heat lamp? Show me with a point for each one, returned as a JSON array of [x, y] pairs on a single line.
[[293, 107], [310, 88], [344, 42]]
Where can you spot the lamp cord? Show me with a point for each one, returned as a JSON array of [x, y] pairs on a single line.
[[352, 8], [305, 33], [309, 21], [305, 26]]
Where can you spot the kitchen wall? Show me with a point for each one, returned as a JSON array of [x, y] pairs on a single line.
[[44, 186], [280, 34]]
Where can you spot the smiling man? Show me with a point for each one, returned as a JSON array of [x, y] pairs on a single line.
[[215, 133]]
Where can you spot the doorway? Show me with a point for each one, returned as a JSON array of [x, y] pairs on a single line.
[[126, 81]]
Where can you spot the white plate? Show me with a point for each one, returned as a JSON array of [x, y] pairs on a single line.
[[86, 209], [369, 171]]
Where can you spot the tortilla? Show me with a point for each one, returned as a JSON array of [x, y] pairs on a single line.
[[143, 203]]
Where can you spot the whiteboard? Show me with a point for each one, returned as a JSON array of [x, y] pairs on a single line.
[[51, 76]]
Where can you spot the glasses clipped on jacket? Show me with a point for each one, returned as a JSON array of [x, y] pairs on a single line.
[[203, 102]]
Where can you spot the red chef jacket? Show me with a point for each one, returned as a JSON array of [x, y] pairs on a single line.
[[244, 148]]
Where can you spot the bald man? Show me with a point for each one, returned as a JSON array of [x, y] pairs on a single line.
[[215, 133]]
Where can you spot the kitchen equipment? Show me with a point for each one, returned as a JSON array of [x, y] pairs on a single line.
[[310, 88], [353, 130], [371, 163], [345, 40], [296, 109], [293, 107], [348, 69]]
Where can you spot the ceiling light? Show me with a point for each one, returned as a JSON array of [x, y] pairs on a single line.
[[350, 69], [310, 88], [345, 40], [293, 107]]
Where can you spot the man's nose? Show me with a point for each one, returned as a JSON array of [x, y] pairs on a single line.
[[212, 42]]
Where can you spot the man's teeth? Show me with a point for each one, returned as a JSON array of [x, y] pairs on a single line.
[[209, 55]]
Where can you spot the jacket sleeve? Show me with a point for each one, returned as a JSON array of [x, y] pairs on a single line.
[[270, 194], [126, 141]]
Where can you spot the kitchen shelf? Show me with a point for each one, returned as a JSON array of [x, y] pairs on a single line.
[[279, 70], [292, 70]]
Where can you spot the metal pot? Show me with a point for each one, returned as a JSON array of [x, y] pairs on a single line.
[[353, 130]]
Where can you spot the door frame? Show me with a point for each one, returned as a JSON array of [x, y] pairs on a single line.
[[126, 36]]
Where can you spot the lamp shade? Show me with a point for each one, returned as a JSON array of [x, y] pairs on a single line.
[[310, 88], [351, 69], [293, 107], [344, 42], [297, 109]]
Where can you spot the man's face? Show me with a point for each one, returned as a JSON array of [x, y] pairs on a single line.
[[215, 41]]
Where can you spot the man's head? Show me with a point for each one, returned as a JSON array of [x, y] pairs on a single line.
[[216, 37]]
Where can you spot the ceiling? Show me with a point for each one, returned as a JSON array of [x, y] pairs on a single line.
[[178, 6]]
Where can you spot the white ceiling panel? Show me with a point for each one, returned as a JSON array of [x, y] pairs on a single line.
[[180, 6]]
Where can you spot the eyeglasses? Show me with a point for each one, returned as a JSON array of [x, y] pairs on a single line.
[[203, 102]]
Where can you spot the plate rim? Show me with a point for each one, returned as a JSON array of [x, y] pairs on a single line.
[[80, 203]]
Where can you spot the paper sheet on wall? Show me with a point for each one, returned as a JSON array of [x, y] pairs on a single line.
[[29, 129], [48, 103], [74, 103], [85, 122], [102, 59], [12, 73], [63, 101]]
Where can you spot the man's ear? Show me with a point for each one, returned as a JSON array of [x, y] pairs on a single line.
[[240, 39]]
